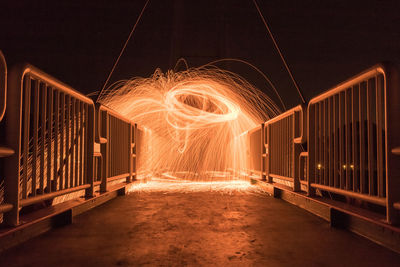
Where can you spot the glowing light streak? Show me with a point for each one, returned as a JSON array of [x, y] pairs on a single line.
[[195, 121], [224, 187]]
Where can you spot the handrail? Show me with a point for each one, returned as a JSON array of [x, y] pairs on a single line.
[[377, 69], [115, 114], [33, 200], [25, 68], [376, 200]]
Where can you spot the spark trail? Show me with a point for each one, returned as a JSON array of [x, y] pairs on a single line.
[[194, 121]]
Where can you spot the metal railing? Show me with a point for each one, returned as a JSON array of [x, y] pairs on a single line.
[[352, 142], [117, 136], [4, 151], [352, 130], [282, 139], [50, 126]]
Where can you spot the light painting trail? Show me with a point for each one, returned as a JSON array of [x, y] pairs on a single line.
[[223, 187], [194, 121]]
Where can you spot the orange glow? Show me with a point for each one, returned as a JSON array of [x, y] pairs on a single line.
[[226, 187], [194, 122]]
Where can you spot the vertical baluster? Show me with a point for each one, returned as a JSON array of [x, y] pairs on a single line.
[[336, 123], [67, 140], [355, 135], [342, 108], [43, 116], [50, 119], [320, 141], [362, 115], [81, 143], [379, 138], [355, 150], [370, 136], [76, 143], [56, 139], [73, 139], [348, 148], [35, 136], [25, 151], [62, 142]]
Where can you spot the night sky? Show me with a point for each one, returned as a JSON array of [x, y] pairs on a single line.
[[324, 42]]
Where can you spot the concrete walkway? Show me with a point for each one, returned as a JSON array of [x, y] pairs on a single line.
[[198, 229]]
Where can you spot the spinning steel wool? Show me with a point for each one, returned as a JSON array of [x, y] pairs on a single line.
[[194, 121]]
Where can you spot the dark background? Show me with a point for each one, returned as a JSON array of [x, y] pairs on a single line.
[[324, 42]]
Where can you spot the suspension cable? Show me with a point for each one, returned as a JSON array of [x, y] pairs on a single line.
[[122, 50], [279, 51]]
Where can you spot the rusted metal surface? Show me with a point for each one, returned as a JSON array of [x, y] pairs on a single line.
[[351, 134], [283, 137]]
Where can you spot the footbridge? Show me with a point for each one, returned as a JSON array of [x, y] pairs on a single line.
[[337, 160]]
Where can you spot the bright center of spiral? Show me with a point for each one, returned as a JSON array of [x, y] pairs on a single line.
[[195, 106]]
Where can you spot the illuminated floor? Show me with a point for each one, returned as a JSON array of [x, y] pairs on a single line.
[[198, 228]]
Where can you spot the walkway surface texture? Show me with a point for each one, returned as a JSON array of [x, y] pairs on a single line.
[[198, 229]]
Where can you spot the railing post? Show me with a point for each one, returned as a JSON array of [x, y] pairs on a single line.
[[296, 150], [105, 148], [89, 192], [310, 147], [268, 153], [392, 95], [13, 140], [131, 129], [135, 149], [263, 153]]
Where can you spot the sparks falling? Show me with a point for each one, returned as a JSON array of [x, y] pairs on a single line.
[[193, 122]]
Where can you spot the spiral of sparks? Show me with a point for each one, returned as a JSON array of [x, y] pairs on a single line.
[[193, 122]]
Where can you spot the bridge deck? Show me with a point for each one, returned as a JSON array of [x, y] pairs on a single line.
[[205, 228]]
